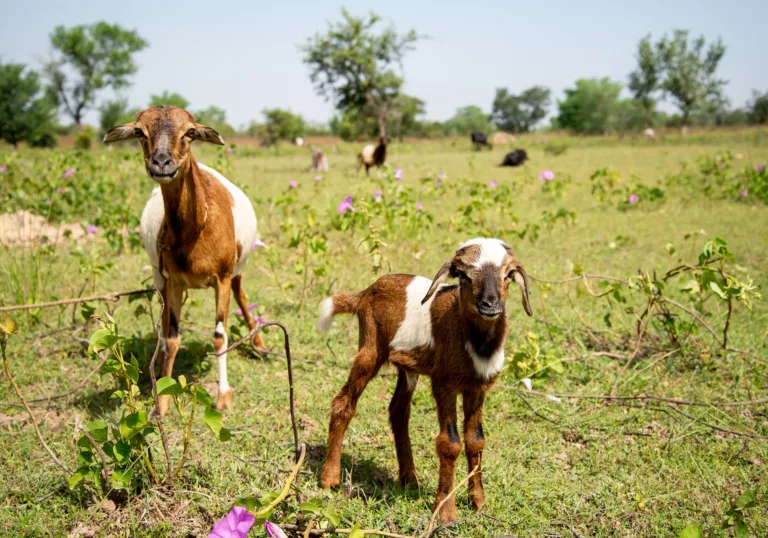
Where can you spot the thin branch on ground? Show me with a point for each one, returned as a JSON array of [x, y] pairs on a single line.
[[113, 296], [331, 530], [270, 463], [428, 532], [718, 428], [736, 403], [100, 452], [568, 526], [534, 411], [577, 278]]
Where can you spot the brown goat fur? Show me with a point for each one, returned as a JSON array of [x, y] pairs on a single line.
[[453, 334], [195, 244], [372, 155]]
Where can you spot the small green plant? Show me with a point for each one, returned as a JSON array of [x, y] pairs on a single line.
[[734, 516], [84, 138], [532, 361], [555, 149]]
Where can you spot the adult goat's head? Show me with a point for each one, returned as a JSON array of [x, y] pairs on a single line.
[[484, 267], [165, 134]]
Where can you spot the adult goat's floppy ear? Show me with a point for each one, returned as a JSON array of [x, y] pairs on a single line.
[[521, 279], [442, 275], [129, 131], [206, 134]]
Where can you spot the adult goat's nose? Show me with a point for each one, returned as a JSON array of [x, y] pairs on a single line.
[[161, 158]]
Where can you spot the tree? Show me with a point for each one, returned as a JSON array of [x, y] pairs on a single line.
[[757, 108], [89, 58], [25, 113], [282, 125], [644, 81], [166, 98], [115, 112], [689, 71], [469, 119], [353, 66], [590, 107], [520, 113]]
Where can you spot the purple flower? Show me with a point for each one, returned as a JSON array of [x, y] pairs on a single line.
[[69, 172], [547, 175], [743, 192], [146, 268], [492, 184], [318, 178], [60, 190], [441, 175], [438, 183], [293, 184], [3, 168], [257, 243], [398, 174], [251, 308], [92, 229], [377, 196], [633, 198], [47, 202], [259, 321], [229, 149], [418, 206], [345, 206], [758, 168], [273, 531], [236, 524]]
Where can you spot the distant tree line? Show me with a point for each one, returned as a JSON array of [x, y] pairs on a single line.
[[357, 66]]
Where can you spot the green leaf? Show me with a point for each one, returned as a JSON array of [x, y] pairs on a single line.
[[183, 381], [356, 532], [578, 270], [98, 430], [213, 419], [225, 435], [741, 528], [691, 531], [102, 339], [110, 367], [132, 424], [716, 288], [691, 287], [121, 451], [121, 479], [201, 395], [75, 480], [251, 503], [331, 515], [132, 373], [167, 386], [745, 500], [311, 507]]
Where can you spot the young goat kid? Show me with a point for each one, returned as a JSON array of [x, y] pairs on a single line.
[[453, 334], [197, 228]]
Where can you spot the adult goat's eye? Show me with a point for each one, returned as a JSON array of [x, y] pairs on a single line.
[[190, 133]]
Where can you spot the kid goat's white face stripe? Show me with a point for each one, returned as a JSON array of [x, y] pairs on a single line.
[[491, 251]]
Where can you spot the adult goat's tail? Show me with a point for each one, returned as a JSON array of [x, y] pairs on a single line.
[[341, 303]]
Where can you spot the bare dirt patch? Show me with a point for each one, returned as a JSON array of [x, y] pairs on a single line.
[[24, 229]]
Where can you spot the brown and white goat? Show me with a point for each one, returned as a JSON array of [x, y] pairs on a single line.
[[453, 334], [372, 155], [197, 227]]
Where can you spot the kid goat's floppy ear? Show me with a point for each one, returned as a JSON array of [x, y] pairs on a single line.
[[442, 275]]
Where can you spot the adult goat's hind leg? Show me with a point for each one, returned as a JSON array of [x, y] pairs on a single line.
[[399, 417], [343, 407], [242, 302], [220, 341], [170, 340]]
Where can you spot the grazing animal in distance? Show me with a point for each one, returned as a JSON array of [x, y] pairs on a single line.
[[197, 228], [453, 334], [515, 158], [372, 155], [299, 141], [650, 134], [319, 161], [479, 140]]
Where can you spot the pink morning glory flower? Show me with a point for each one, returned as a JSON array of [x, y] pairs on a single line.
[[257, 243], [273, 531], [743, 192], [438, 183], [441, 175], [3, 168], [345, 205], [398, 174], [418, 206], [92, 229], [547, 175], [492, 184], [251, 308], [377, 196], [236, 524], [259, 321], [758, 168], [69, 172], [229, 149], [293, 184], [633, 198], [318, 178], [60, 190]]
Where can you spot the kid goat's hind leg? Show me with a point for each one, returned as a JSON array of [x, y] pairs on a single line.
[[220, 340], [366, 366], [242, 302], [399, 417], [474, 440]]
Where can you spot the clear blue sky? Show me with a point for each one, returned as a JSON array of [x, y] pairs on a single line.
[[243, 56]]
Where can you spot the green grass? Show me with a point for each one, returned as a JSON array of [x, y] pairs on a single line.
[[608, 469]]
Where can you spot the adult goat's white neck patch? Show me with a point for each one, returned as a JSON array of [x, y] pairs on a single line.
[[491, 251], [416, 328]]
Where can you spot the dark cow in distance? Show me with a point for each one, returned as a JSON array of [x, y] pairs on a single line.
[[479, 140], [515, 158]]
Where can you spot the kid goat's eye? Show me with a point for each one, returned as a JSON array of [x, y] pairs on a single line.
[[511, 274], [139, 133]]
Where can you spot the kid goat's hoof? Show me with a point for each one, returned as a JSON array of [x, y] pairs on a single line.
[[225, 400]]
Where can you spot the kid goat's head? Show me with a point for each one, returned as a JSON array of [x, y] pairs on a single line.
[[484, 267], [165, 134]]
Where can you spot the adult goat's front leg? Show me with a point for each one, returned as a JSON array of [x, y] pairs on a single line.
[[220, 341], [171, 339], [474, 441], [343, 409], [242, 302], [448, 446]]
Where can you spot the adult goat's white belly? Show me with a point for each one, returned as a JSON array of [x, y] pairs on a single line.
[[242, 212]]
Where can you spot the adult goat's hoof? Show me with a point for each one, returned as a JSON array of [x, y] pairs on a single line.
[[224, 400]]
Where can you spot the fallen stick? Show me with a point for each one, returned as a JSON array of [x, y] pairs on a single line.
[[114, 296]]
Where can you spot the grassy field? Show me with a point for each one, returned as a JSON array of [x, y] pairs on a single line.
[[562, 466]]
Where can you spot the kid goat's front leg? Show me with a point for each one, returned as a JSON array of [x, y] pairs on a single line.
[[474, 441], [220, 341], [448, 446]]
